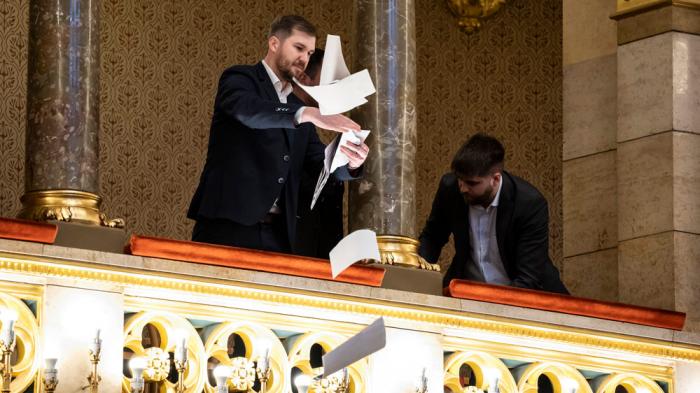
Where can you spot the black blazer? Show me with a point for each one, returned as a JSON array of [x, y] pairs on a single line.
[[256, 153], [522, 233]]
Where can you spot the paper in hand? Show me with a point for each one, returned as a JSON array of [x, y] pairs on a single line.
[[370, 340], [334, 159], [357, 246], [338, 91]]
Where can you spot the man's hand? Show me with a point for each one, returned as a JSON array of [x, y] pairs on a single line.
[[356, 153], [338, 123]]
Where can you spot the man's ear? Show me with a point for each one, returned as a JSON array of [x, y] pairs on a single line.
[[273, 44]]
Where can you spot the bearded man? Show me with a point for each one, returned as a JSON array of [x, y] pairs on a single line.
[[261, 140], [500, 222]]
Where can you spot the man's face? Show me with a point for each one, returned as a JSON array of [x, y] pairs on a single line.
[[292, 54], [479, 190]]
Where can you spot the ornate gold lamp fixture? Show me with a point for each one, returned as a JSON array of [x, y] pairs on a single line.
[[471, 12], [8, 317], [423, 385], [94, 378], [263, 366], [181, 362], [402, 251], [50, 378]]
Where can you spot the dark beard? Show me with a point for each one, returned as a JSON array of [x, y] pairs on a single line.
[[482, 200], [286, 71]]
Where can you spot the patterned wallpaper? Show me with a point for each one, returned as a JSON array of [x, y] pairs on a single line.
[[160, 65]]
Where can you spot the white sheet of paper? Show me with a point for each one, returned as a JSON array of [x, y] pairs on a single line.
[[359, 245], [333, 67], [370, 340], [334, 159], [338, 90]]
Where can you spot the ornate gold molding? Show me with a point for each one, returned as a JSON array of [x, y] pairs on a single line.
[[470, 13], [306, 298], [402, 251], [66, 205], [625, 7]]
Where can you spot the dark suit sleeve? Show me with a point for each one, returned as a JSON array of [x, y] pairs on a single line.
[[437, 228], [238, 97], [532, 248]]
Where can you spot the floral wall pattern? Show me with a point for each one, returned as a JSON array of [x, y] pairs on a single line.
[[161, 61]]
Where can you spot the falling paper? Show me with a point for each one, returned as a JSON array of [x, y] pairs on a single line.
[[357, 246], [335, 159], [338, 91], [370, 340]]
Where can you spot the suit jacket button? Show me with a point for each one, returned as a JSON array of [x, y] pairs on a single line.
[[280, 180], [286, 158]]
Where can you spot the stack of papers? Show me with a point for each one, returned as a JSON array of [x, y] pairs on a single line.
[[339, 91]]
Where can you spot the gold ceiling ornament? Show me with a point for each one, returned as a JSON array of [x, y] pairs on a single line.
[[300, 357], [26, 332], [169, 328], [633, 383], [66, 205], [487, 369], [564, 378], [258, 341], [402, 251], [471, 12]]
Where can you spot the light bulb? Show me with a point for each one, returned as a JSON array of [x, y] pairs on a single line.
[[137, 365], [302, 382], [221, 374]]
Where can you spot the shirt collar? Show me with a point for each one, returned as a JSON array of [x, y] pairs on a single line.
[[498, 193], [281, 88]]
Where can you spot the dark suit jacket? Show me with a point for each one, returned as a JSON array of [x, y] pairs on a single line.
[[320, 229], [522, 233], [256, 153]]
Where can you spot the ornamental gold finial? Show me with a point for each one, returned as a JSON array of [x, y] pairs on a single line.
[[471, 12]]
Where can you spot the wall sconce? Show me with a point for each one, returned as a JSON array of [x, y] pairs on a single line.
[[471, 12], [8, 317], [50, 378], [493, 378], [263, 366], [137, 365], [302, 382], [94, 378], [423, 385], [221, 374], [180, 361]]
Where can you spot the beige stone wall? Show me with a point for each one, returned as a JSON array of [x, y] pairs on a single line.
[[590, 149], [161, 62]]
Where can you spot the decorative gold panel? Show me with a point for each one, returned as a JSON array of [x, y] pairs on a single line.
[[27, 346], [479, 362], [634, 383], [253, 335], [556, 372], [299, 356], [168, 326]]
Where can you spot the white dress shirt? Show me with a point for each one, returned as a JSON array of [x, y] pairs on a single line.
[[482, 233]]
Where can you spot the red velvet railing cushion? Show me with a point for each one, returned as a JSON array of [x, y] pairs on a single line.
[[539, 300], [242, 258], [32, 231]]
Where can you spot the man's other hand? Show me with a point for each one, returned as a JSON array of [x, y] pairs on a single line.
[[356, 153], [338, 123]]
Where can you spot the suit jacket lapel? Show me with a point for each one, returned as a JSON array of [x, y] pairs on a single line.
[[504, 215], [271, 94]]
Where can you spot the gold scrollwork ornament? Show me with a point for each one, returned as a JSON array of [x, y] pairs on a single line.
[[471, 12], [25, 368]]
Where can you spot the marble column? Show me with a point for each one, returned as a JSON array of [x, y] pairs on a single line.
[[384, 200], [63, 111], [658, 155]]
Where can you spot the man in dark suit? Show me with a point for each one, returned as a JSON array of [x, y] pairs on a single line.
[[498, 220], [260, 141]]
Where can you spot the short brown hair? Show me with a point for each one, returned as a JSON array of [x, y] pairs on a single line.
[[282, 26]]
